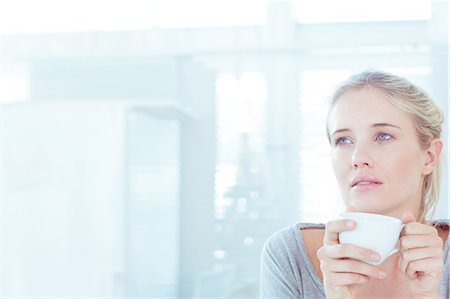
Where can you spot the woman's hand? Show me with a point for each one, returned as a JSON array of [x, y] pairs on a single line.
[[421, 257], [341, 265]]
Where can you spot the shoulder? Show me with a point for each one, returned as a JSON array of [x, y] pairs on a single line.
[[293, 247], [293, 238], [441, 223], [280, 243], [443, 227], [279, 273], [285, 269]]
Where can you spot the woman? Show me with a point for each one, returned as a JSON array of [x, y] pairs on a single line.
[[385, 142]]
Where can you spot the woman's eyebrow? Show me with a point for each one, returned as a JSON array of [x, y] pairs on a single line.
[[340, 131], [376, 125]]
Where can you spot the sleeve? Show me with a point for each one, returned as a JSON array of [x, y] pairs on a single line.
[[445, 283], [277, 277]]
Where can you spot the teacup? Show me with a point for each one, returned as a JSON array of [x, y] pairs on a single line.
[[376, 232]]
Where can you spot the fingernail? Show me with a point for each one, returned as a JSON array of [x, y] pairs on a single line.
[[375, 257], [349, 224], [381, 274]]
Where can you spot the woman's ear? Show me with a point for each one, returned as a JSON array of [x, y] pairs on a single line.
[[433, 153]]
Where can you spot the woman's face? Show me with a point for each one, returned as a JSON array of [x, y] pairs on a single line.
[[376, 156]]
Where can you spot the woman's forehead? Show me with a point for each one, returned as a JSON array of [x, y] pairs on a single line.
[[366, 107]]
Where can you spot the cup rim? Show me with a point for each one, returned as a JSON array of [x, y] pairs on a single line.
[[370, 217]]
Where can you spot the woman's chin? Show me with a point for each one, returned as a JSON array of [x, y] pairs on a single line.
[[367, 207]]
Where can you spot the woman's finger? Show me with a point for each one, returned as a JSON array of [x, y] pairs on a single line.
[[333, 228], [416, 228], [345, 279], [419, 241], [410, 255], [352, 266], [340, 251], [431, 267]]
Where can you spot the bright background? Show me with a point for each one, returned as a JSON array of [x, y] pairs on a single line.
[[150, 147]]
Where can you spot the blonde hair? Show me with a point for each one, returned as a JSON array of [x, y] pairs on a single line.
[[427, 117]]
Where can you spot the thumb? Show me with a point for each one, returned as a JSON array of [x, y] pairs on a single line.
[[408, 217]]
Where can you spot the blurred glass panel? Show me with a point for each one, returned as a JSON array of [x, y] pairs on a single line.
[[62, 231], [319, 198], [152, 206], [93, 208], [14, 84], [329, 11], [120, 15], [23, 16], [209, 13], [238, 227]]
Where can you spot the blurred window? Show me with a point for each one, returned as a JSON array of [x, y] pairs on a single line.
[[120, 15], [239, 177], [330, 11], [209, 13], [319, 196]]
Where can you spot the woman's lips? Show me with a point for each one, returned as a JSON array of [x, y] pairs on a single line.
[[365, 186], [365, 183]]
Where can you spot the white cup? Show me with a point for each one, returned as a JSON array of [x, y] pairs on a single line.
[[376, 232]]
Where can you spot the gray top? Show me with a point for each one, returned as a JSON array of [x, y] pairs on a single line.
[[287, 272]]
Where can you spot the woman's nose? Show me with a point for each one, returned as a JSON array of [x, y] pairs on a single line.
[[361, 158]]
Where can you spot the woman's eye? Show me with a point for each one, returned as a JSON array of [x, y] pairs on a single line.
[[384, 137], [342, 140]]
